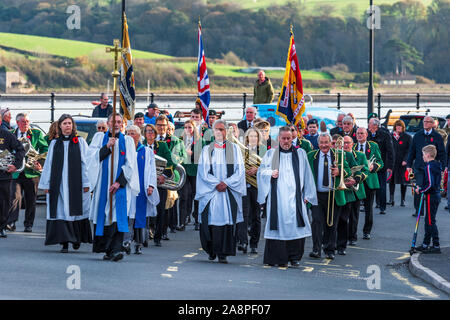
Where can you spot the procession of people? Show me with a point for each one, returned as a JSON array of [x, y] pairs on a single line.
[[240, 183]]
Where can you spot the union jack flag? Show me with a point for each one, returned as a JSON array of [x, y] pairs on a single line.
[[202, 78]]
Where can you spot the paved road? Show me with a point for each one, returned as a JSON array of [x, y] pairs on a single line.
[[180, 270]]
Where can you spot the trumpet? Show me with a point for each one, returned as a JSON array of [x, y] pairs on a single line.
[[341, 186], [250, 159]]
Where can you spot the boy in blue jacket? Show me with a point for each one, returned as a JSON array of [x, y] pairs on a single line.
[[430, 189]]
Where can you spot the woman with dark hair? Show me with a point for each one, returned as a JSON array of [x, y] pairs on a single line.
[[52, 132], [401, 142], [65, 181], [193, 143]]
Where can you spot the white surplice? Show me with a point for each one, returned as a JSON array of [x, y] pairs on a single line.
[[63, 209], [130, 171], [149, 181], [286, 191], [219, 203]]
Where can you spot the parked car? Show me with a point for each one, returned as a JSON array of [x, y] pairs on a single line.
[[86, 126], [268, 112], [414, 122]]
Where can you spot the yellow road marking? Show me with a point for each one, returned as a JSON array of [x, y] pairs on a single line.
[[380, 250], [166, 275], [308, 269], [419, 289], [190, 255], [172, 269], [405, 256]]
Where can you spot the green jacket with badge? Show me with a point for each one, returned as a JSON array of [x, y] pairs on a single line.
[[313, 159], [39, 144], [190, 163], [372, 151], [362, 174]]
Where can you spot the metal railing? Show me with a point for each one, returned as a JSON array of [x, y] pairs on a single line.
[[340, 101]]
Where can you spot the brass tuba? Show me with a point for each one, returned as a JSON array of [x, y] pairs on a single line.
[[171, 183], [250, 159], [7, 158], [32, 155]]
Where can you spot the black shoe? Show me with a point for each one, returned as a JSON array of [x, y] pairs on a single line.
[[295, 263], [76, 246], [421, 248], [433, 250], [196, 226], [366, 236], [330, 256], [28, 229], [242, 247], [402, 203], [126, 248], [116, 257], [138, 249], [341, 252], [157, 243], [165, 237], [223, 260], [253, 251], [107, 257], [64, 250], [145, 244], [182, 228], [382, 212], [284, 265], [446, 207], [3, 234], [352, 243], [212, 257], [314, 254]]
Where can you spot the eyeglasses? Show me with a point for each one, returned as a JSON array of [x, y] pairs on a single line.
[[429, 121], [101, 128]]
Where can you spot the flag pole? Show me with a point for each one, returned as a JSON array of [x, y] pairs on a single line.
[[123, 14]]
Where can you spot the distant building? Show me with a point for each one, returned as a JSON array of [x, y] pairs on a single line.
[[12, 82], [399, 79]]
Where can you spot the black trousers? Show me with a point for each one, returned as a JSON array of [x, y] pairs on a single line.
[[187, 195], [322, 234], [5, 202], [111, 242], [392, 190], [160, 214], [172, 218], [343, 226], [431, 204], [381, 193], [368, 209], [222, 242], [29, 187], [252, 218], [353, 220]]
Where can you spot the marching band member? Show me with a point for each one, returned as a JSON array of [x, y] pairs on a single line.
[[286, 180], [297, 139], [66, 182], [161, 149], [325, 164], [251, 208], [220, 188], [110, 226], [193, 144], [371, 184]]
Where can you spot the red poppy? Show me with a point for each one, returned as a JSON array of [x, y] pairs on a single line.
[[368, 150], [168, 141], [122, 153], [431, 139], [400, 142], [268, 147], [154, 151], [75, 139], [28, 136]]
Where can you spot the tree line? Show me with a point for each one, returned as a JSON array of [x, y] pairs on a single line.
[[412, 37]]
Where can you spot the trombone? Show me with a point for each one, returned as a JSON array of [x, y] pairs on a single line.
[[339, 146]]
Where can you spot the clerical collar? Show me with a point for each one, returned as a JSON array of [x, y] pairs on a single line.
[[110, 134], [285, 151], [220, 145]]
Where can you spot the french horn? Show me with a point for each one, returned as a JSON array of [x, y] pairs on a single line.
[[7, 158]]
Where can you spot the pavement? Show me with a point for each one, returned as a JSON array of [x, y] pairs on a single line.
[[375, 269], [433, 268]]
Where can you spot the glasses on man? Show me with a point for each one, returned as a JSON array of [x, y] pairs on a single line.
[[101, 128]]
